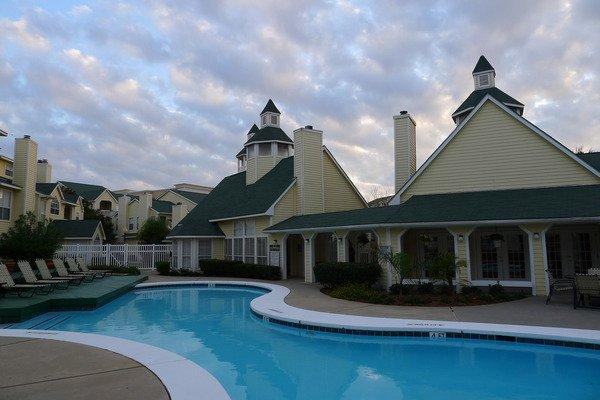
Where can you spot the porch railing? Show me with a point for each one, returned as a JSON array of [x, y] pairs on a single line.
[[142, 256]]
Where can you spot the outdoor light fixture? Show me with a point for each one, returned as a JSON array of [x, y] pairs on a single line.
[[461, 237], [536, 235]]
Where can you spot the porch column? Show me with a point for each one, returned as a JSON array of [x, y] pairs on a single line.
[[396, 237], [341, 245], [462, 253], [278, 239], [309, 256], [538, 261]]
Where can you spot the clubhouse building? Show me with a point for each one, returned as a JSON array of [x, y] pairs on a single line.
[[506, 198]]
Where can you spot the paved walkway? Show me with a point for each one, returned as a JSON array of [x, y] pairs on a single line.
[[50, 369], [529, 311]]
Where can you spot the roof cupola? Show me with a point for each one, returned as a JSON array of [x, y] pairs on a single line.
[[269, 115], [484, 74]]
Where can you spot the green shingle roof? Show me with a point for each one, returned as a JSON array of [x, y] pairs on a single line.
[[253, 129], [45, 188], [476, 96], [161, 206], [482, 65], [592, 159], [270, 133], [193, 196], [84, 228], [85, 190], [498, 205], [233, 198], [270, 107]]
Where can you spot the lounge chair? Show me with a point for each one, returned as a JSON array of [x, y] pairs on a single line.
[[586, 286], [62, 272], [74, 269], [558, 285], [30, 277], [9, 285], [45, 274], [594, 271], [84, 268]]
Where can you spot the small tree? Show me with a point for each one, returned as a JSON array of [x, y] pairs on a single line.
[[154, 231], [89, 212], [443, 267], [402, 265], [30, 238]]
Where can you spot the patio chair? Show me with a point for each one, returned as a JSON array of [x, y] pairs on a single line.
[[558, 285], [9, 285], [586, 286], [594, 271], [83, 267], [61, 270], [30, 277], [45, 274], [74, 269]]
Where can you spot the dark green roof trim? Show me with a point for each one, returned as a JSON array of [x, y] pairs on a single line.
[[253, 129], [83, 229], [482, 65], [87, 191], [477, 95], [45, 188], [162, 207], [270, 134], [515, 205], [592, 159], [193, 196], [233, 198], [270, 107], [241, 152]]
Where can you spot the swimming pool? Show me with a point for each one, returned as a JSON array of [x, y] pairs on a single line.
[[254, 359]]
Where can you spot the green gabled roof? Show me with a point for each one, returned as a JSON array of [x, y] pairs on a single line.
[[85, 190], [70, 195], [163, 207], [476, 96], [193, 196], [233, 198], [84, 228], [592, 159], [270, 107], [253, 129], [494, 205], [45, 188], [482, 65], [242, 151], [270, 133]]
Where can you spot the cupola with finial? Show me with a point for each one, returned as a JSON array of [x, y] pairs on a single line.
[[269, 115], [484, 74]]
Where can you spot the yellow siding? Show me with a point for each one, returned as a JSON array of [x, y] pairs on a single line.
[[261, 223], [105, 197], [287, 206], [226, 227], [308, 169], [218, 249], [3, 165], [251, 171], [494, 151], [405, 162], [339, 193], [175, 198], [25, 174], [265, 164]]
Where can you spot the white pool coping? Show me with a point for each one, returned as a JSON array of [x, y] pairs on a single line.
[[182, 378], [272, 305]]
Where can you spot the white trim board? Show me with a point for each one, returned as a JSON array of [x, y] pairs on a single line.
[[396, 198]]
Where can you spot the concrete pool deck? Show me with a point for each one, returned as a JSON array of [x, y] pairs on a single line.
[[33, 368]]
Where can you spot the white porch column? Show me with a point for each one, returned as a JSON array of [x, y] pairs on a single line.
[[391, 239], [341, 245], [538, 261], [309, 256], [462, 253]]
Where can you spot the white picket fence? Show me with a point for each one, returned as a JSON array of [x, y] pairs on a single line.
[[142, 256]]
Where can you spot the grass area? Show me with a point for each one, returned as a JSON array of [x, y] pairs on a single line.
[[424, 295]]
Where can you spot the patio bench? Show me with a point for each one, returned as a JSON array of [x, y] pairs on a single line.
[[586, 287]]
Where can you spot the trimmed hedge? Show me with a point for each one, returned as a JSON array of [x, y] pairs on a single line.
[[163, 267], [239, 269], [340, 273], [116, 270]]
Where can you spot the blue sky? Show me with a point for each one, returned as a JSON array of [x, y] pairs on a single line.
[[144, 94]]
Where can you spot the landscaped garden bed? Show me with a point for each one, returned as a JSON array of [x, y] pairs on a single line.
[[223, 268]]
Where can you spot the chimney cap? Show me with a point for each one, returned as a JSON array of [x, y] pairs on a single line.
[[26, 137], [309, 127], [43, 161], [403, 112]]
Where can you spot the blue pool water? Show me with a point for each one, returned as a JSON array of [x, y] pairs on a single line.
[[252, 359]]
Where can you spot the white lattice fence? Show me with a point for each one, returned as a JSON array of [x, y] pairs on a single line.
[[142, 256]]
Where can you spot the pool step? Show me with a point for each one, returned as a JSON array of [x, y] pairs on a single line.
[[38, 322]]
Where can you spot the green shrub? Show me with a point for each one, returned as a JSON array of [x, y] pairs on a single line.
[[30, 238], [361, 292], [238, 269], [397, 289], [496, 290], [163, 267], [336, 274], [186, 272], [117, 270], [468, 290], [425, 288]]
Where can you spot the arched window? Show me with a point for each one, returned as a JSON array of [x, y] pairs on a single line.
[[105, 205]]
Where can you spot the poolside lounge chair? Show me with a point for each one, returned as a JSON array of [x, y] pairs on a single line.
[[30, 277], [61, 270], [586, 286], [558, 285], [594, 271], [9, 285], [45, 274], [84, 268], [74, 269]]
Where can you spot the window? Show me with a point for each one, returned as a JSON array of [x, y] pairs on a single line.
[[261, 250], [238, 228], [204, 249], [249, 228], [484, 80], [489, 258], [516, 256], [554, 255], [244, 241], [582, 252], [8, 171], [229, 249], [176, 247], [251, 151], [54, 207], [264, 149], [186, 253], [264, 119], [105, 205], [249, 250], [273, 119], [5, 202], [130, 224], [137, 222], [238, 249], [282, 150]]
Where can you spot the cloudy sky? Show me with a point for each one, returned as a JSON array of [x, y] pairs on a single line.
[[144, 94]]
